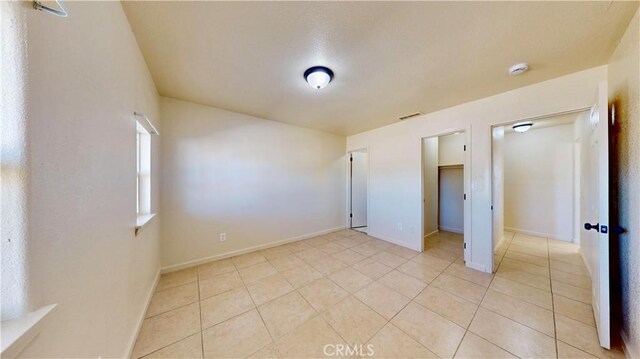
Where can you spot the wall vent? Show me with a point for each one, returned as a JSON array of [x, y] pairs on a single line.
[[410, 115]]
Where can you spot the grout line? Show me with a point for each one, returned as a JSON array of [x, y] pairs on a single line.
[[553, 308]]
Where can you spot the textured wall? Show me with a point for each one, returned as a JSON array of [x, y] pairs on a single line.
[[623, 76]]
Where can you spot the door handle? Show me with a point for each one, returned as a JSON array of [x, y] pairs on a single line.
[[589, 226]]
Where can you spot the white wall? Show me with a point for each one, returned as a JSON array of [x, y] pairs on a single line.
[[395, 164], [451, 199], [538, 182], [430, 179], [85, 78], [497, 163], [359, 188], [451, 150], [256, 180]]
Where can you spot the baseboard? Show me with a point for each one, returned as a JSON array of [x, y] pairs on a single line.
[[629, 351], [539, 234], [132, 342], [451, 229], [432, 233], [188, 264], [398, 243], [500, 244]]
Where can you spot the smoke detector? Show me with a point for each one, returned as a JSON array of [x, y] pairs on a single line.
[[518, 69]]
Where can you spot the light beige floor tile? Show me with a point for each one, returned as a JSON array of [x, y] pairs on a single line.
[[469, 274], [167, 328], [583, 337], [236, 338], [520, 276], [214, 268], [349, 257], [301, 276], [440, 335], [286, 313], [388, 259], [172, 298], [256, 272], [269, 288], [286, 262], [312, 255], [174, 279], [572, 279], [456, 309], [573, 309], [354, 321], [219, 284], [522, 312], [570, 258], [379, 244], [275, 252], [328, 265], [350, 279], [443, 254], [247, 260], [317, 241], [571, 292], [391, 342], [474, 347], [514, 337], [349, 242], [566, 351], [323, 294], [542, 271], [402, 283], [522, 257], [539, 252], [371, 268], [569, 268], [403, 252], [190, 347], [420, 271], [366, 249], [268, 352], [331, 248], [435, 263], [523, 292], [296, 247], [460, 287], [223, 306], [382, 299], [309, 340]]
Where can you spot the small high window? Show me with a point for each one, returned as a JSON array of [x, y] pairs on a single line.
[[144, 131]]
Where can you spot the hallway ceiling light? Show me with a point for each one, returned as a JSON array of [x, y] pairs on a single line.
[[518, 69], [522, 126], [318, 76]]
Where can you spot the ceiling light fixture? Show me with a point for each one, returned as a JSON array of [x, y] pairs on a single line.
[[318, 76], [518, 69], [522, 126]]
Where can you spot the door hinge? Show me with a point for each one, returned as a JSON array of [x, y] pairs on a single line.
[[350, 215], [492, 208], [351, 159], [465, 246], [465, 196], [465, 147]]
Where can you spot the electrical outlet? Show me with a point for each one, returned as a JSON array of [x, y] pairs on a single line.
[[223, 237]]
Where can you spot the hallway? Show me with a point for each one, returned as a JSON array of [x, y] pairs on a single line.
[[349, 288]]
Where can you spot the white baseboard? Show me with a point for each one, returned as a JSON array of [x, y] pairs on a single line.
[[629, 351], [188, 264], [451, 229], [132, 342], [401, 244], [432, 233], [539, 234], [500, 244]]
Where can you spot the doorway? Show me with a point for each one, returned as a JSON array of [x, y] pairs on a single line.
[[445, 184], [359, 190]]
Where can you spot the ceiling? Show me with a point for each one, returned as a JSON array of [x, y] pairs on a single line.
[[389, 58], [551, 121]]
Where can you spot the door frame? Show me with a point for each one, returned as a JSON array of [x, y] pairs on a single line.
[[349, 186], [466, 132]]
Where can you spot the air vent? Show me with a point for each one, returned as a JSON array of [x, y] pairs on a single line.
[[410, 115]]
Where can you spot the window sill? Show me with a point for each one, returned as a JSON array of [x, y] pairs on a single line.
[[142, 221], [17, 333]]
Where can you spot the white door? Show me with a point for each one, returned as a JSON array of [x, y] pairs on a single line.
[[359, 184], [595, 196]]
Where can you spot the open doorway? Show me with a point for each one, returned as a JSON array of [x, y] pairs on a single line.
[[358, 190], [445, 186]]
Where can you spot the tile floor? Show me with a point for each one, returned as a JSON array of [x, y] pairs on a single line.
[[349, 288]]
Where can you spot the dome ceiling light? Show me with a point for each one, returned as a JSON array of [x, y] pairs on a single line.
[[318, 76], [522, 126], [518, 69]]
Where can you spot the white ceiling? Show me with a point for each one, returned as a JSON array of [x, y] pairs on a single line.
[[389, 59]]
